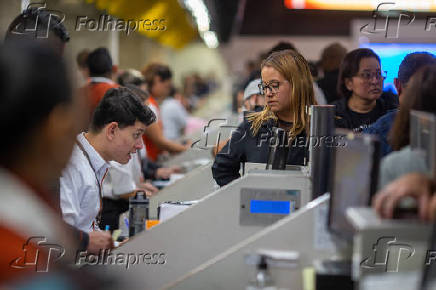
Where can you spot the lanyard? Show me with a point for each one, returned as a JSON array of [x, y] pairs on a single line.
[[100, 194], [140, 161], [101, 80]]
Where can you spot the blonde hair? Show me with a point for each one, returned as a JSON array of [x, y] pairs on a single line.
[[295, 69]]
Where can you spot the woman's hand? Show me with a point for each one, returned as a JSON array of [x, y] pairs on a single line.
[[415, 185]]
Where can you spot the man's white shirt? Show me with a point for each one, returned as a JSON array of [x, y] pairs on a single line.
[[123, 178], [80, 200]]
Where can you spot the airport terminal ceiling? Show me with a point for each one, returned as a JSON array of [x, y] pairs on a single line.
[[229, 18], [263, 18]]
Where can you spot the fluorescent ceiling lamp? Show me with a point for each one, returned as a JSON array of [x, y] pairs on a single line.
[[200, 13], [210, 39]]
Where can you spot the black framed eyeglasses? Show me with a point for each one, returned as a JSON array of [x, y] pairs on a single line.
[[368, 76], [273, 86]]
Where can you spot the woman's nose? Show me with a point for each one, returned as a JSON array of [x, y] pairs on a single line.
[[269, 93]]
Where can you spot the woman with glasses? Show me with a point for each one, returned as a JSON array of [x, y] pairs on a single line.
[[288, 89], [360, 86]]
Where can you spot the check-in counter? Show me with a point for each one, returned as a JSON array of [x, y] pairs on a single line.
[[304, 233], [395, 248], [220, 220], [194, 185]]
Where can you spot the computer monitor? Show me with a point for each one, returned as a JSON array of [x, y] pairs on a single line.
[[423, 137], [354, 178]]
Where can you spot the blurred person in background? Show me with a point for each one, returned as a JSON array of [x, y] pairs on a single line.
[[319, 95], [132, 77], [360, 86], [238, 101], [196, 89], [101, 71], [420, 95], [151, 170], [189, 93], [82, 66], [40, 117], [331, 59], [410, 64], [253, 99], [174, 115], [40, 20], [282, 45], [34, 24], [200, 85], [158, 79], [251, 71]]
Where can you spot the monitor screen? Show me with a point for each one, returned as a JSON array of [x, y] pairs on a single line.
[[271, 206], [392, 54], [355, 179]]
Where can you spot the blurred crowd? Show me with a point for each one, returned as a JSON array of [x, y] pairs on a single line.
[[72, 156]]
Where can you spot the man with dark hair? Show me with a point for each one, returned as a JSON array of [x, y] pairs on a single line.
[[82, 66], [100, 63], [37, 23], [115, 133], [282, 45], [410, 64], [331, 58], [100, 68]]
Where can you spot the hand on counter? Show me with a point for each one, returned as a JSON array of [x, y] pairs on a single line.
[[99, 240], [414, 185]]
